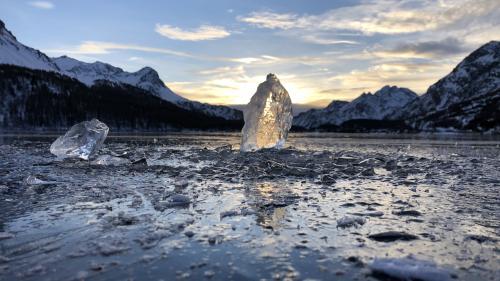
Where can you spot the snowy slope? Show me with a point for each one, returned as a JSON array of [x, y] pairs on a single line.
[[316, 117], [88, 73], [15, 53], [474, 80], [476, 75], [384, 104]]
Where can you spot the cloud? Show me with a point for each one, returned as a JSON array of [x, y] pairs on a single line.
[[272, 20], [264, 59], [223, 71], [416, 76], [98, 48], [425, 49], [384, 17], [46, 5], [313, 38], [204, 32]]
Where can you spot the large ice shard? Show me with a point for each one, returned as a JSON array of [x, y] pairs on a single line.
[[83, 140], [268, 117]]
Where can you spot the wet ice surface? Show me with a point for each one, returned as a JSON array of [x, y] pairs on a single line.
[[190, 206]]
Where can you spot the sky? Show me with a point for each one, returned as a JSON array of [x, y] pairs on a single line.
[[219, 51]]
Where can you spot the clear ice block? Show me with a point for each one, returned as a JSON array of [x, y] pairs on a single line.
[[268, 117], [83, 140]]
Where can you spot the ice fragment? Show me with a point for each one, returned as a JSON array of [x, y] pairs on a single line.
[[109, 160], [410, 269], [348, 221], [83, 140]]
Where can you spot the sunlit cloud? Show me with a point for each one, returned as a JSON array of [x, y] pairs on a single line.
[[316, 39], [204, 32], [416, 76], [264, 59], [99, 48], [46, 5], [234, 85], [273, 20]]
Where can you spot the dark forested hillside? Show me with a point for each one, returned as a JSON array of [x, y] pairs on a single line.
[[36, 98]]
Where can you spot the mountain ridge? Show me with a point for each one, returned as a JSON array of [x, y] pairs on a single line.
[[378, 106]]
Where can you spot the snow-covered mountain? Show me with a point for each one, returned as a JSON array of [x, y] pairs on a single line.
[[13, 52], [146, 79], [381, 105], [88, 73], [457, 100]]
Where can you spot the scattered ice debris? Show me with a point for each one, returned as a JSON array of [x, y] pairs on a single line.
[[6, 235], [232, 213], [328, 179], [33, 180], [224, 148], [391, 236], [413, 213], [209, 274], [4, 259], [480, 238], [391, 165], [180, 184], [176, 200], [140, 162], [268, 117], [83, 140], [368, 172], [111, 246], [349, 221], [122, 219], [148, 258], [410, 269], [370, 214], [109, 160]]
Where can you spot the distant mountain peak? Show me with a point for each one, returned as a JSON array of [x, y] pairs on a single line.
[[336, 103], [271, 77]]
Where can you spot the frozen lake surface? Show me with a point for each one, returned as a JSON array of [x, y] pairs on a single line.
[[191, 206]]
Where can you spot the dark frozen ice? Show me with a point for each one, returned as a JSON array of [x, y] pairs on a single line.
[[195, 203]]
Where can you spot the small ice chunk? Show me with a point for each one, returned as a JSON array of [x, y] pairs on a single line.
[[391, 236], [179, 198], [109, 160], [33, 180], [6, 235], [83, 140], [410, 269], [4, 259], [268, 117], [348, 221]]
